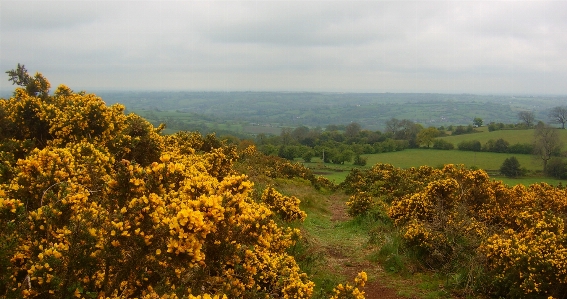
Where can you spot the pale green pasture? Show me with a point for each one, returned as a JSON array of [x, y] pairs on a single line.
[[512, 136], [418, 157]]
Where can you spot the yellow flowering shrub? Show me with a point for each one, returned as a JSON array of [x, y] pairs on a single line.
[[458, 218], [25, 118], [353, 291], [139, 141], [62, 118], [529, 261], [389, 182], [95, 203], [359, 204], [257, 164], [286, 207], [207, 296], [184, 143]]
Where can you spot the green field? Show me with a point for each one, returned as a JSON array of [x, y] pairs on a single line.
[[417, 157], [436, 158], [512, 136], [491, 162]]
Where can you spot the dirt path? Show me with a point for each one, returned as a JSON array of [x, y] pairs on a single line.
[[349, 260]]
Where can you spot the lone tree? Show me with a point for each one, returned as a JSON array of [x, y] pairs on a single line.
[[393, 125], [352, 130], [527, 117], [511, 168], [427, 136], [477, 121], [404, 129], [558, 115], [546, 143]]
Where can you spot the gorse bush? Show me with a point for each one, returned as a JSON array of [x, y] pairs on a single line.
[[387, 181], [348, 291], [359, 204], [95, 203], [286, 207], [508, 242]]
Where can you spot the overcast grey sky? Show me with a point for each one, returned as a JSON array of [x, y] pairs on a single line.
[[346, 46]]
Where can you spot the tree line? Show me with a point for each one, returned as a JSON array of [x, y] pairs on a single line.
[[344, 143], [527, 120], [338, 144]]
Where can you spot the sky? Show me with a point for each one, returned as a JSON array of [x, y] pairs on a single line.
[[480, 47]]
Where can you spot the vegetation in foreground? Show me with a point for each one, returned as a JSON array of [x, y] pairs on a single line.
[[96, 203], [488, 238]]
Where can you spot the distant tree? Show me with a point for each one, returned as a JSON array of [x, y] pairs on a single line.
[[337, 155], [287, 152], [426, 136], [376, 136], [408, 130], [511, 168], [546, 143], [527, 118], [558, 115], [343, 156], [352, 130], [286, 136], [392, 126], [501, 146], [269, 149], [244, 144], [300, 133], [328, 154], [459, 130], [330, 128], [404, 129], [308, 155], [359, 161], [332, 135], [477, 121]]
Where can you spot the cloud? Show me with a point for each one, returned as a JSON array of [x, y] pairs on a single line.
[[413, 46]]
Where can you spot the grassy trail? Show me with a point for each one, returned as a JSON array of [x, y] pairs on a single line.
[[338, 246], [347, 252]]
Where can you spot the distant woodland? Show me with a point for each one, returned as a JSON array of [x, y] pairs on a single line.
[[268, 112]]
